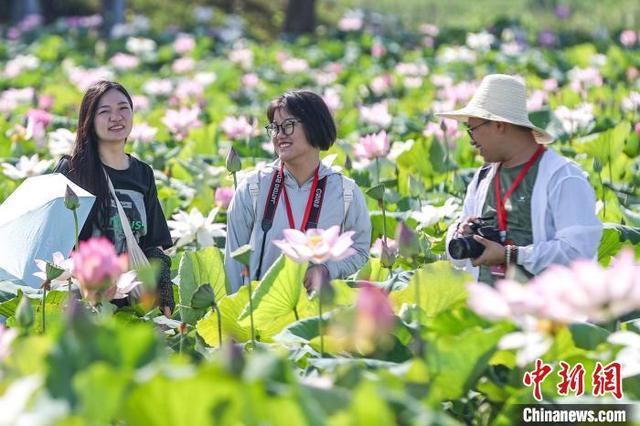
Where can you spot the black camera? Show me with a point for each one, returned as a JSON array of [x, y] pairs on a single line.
[[467, 247]]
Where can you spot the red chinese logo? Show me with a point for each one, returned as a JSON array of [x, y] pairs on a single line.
[[536, 377], [605, 379]]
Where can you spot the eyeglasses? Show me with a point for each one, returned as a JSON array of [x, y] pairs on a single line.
[[287, 127], [471, 129]]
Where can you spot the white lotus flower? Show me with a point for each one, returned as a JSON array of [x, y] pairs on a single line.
[[429, 215], [59, 262], [629, 356], [61, 142], [26, 167], [193, 226]]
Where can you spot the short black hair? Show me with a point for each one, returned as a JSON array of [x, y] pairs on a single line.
[[312, 111]]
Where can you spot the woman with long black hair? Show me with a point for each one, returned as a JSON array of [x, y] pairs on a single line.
[[105, 121]]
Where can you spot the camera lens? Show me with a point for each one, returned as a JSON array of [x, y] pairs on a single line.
[[459, 248]]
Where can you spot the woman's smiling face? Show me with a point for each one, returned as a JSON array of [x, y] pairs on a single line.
[[114, 117]]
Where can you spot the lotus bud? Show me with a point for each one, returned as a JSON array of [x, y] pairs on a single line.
[[321, 283], [24, 313], [71, 200], [597, 165], [233, 161], [408, 244], [203, 298], [387, 255]]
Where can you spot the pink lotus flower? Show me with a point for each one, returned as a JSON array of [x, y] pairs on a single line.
[[125, 285], [582, 291], [378, 50], [316, 245], [628, 38], [294, 65], [183, 65], [351, 21], [381, 84], [179, 122], [237, 128], [250, 80], [189, 89], [376, 114], [637, 128], [143, 132], [59, 262], [374, 318], [242, 57], [123, 61], [537, 100], [376, 248], [97, 267], [372, 146], [451, 132], [184, 43], [223, 197]]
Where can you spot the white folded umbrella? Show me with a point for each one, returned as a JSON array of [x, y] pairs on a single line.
[[34, 223]]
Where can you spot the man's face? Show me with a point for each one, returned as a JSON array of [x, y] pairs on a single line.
[[485, 138]]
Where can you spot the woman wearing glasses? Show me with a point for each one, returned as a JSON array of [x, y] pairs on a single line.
[[295, 191]]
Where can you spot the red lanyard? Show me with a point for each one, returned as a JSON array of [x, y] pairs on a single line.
[[500, 201], [307, 210]]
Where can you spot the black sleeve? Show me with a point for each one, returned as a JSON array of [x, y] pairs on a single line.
[[63, 165], [157, 232]]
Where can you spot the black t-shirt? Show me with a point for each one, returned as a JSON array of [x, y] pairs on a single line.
[[136, 190]]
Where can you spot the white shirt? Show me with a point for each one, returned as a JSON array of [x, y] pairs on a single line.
[[563, 218]]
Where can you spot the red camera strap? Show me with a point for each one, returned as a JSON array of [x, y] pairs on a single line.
[[500, 200]]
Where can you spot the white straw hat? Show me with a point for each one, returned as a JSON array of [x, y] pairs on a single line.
[[500, 97]]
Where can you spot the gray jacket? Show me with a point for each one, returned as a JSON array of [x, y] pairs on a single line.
[[244, 228]]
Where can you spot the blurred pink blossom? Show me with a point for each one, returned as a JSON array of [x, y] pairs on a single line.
[[381, 84], [351, 21], [184, 43], [550, 84], [582, 291], [430, 30], [140, 102], [143, 132], [250, 80], [376, 114], [316, 245], [83, 78], [637, 128], [183, 65], [223, 197], [583, 78], [563, 11], [294, 65], [331, 97], [237, 128], [179, 122], [451, 130], [123, 61], [376, 248], [372, 145], [45, 102], [378, 50], [97, 267], [37, 122], [14, 67], [375, 318], [242, 57], [158, 87], [628, 38], [189, 89], [536, 100]]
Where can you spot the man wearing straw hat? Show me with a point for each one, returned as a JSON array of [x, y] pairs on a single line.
[[540, 204]]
